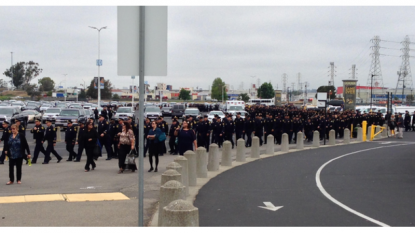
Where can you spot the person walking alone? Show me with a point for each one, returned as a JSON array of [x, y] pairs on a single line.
[[15, 149], [90, 138], [125, 145], [154, 145]]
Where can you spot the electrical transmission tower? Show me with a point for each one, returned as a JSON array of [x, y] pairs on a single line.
[[332, 72], [375, 73], [405, 76], [284, 83], [299, 84], [292, 86], [353, 71]]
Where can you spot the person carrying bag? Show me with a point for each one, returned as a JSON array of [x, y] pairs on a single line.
[[126, 147]]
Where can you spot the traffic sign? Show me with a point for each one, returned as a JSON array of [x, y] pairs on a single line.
[[99, 62]]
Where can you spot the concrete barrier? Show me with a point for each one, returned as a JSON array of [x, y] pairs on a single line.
[[185, 178], [384, 132], [255, 147], [180, 213], [58, 134], [240, 151], [174, 166], [270, 145], [359, 134], [172, 190], [284, 143], [191, 167], [170, 175], [213, 158], [369, 129], [332, 137], [201, 162], [316, 138], [226, 154], [346, 138], [300, 141]]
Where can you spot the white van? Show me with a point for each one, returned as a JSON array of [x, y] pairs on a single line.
[[403, 109]]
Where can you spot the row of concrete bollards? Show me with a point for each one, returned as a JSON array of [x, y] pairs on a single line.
[[184, 171]]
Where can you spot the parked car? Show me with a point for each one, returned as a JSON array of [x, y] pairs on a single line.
[[212, 114], [32, 106], [76, 105], [177, 110], [50, 114], [125, 112], [194, 112], [31, 115], [166, 111], [8, 113], [45, 107], [152, 112], [70, 114], [19, 104]]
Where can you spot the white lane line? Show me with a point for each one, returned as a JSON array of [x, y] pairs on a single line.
[[326, 194]]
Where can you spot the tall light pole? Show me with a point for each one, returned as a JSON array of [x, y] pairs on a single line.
[[222, 92], [65, 87], [11, 67], [99, 63]]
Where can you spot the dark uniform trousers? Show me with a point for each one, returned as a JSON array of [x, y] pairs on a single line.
[[38, 148], [248, 139], [105, 142], [228, 137], [172, 144], [3, 154], [51, 149], [69, 147], [80, 150], [238, 135], [207, 142]]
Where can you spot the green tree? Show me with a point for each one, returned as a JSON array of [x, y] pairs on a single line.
[[82, 95], [244, 97], [23, 72], [266, 91], [49, 93], [327, 89], [116, 97], [31, 90], [46, 83], [409, 98], [217, 86], [184, 94], [106, 93]]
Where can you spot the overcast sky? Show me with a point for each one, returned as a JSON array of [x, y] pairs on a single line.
[[233, 43]]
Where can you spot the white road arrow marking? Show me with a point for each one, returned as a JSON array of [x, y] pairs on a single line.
[[270, 206]]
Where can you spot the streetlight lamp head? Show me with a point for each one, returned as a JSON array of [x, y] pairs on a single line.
[[93, 27]]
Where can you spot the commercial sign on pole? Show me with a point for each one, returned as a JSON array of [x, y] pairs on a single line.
[[349, 94], [278, 97], [321, 99], [102, 81], [155, 53]]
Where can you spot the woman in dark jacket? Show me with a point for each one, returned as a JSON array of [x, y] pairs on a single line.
[[15, 150], [90, 141], [186, 138], [154, 145]]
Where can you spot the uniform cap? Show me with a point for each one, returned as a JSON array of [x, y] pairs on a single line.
[[69, 122], [49, 121], [6, 122], [37, 120], [205, 116]]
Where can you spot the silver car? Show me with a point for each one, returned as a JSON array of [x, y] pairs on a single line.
[[125, 112], [152, 112], [50, 114]]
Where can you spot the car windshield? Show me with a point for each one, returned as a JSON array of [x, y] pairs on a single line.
[[191, 111], [216, 113], [152, 109], [124, 110], [29, 113], [166, 108], [46, 105], [7, 111], [31, 104], [53, 110], [236, 108], [69, 113], [17, 104]]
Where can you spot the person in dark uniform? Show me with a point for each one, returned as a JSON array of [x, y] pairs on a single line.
[[110, 113], [218, 129], [50, 137], [229, 130], [113, 134], [70, 140], [104, 114], [287, 127], [172, 140], [199, 130], [103, 127], [80, 140], [268, 126], [407, 121], [249, 127], [239, 127], [207, 130], [38, 132], [277, 129], [5, 138], [259, 128], [96, 113], [309, 130]]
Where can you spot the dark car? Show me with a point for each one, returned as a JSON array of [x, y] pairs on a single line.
[[166, 111], [9, 114], [70, 114], [32, 106], [177, 110]]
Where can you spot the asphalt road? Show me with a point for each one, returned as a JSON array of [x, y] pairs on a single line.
[[373, 187]]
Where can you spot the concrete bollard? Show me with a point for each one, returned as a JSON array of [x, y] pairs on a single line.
[[346, 136], [270, 145], [284, 143], [185, 178], [369, 129], [175, 166], [316, 138], [58, 134], [201, 162], [300, 141], [170, 175], [255, 147], [172, 190], [384, 132], [359, 134], [332, 137], [213, 158], [191, 167], [226, 154], [240, 149], [377, 130], [180, 213]]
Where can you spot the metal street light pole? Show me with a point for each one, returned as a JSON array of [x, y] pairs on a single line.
[[65, 87], [222, 92], [99, 64], [11, 67]]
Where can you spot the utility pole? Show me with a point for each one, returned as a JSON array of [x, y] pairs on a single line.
[[284, 83], [66, 93], [11, 68], [99, 64]]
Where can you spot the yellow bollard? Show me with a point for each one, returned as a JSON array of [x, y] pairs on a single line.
[[372, 132], [364, 124], [351, 131]]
